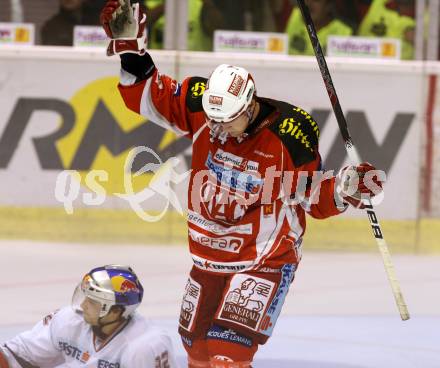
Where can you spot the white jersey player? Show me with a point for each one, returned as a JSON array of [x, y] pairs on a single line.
[[101, 329]]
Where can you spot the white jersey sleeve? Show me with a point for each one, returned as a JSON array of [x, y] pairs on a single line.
[[150, 350], [35, 346]]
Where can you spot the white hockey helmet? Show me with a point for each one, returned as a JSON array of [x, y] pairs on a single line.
[[228, 93], [110, 285]]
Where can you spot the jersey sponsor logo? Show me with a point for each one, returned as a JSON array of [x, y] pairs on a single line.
[[216, 100], [269, 270], [268, 209], [105, 364], [230, 159], [228, 201], [303, 128], [190, 304], [236, 85], [246, 300], [230, 267], [85, 357], [308, 118], [215, 228], [269, 320], [198, 89], [290, 126], [218, 333], [234, 179], [263, 154], [225, 243], [74, 352]]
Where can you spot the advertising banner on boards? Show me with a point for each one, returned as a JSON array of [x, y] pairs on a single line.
[[65, 113]]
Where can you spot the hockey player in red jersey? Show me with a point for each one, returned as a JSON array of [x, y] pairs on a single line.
[[255, 173]]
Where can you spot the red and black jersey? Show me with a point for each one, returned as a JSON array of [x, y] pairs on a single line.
[[246, 199]]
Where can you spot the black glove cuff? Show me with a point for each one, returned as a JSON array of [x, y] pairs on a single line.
[[142, 67]]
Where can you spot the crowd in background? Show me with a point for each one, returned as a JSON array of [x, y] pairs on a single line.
[[369, 18]]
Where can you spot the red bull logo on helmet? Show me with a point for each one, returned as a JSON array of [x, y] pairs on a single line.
[[123, 285]]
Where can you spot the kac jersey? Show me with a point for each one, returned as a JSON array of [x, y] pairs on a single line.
[[244, 210], [65, 340]]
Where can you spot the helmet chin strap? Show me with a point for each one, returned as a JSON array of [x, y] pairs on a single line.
[[98, 329], [250, 114], [216, 132], [250, 111]]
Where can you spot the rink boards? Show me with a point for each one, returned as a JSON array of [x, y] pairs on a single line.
[[61, 111]]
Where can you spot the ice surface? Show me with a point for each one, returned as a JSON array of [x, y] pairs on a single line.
[[339, 313]]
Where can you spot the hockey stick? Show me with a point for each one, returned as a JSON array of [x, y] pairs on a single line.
[[354, 158]]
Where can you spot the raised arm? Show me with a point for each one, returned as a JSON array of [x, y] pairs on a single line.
[[159, 98]]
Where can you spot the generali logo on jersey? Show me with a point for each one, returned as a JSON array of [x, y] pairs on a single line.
[[235, 161], [246, 300]]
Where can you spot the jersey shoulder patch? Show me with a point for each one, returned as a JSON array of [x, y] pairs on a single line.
[[47, 319], [194, 93], [299, 133]]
